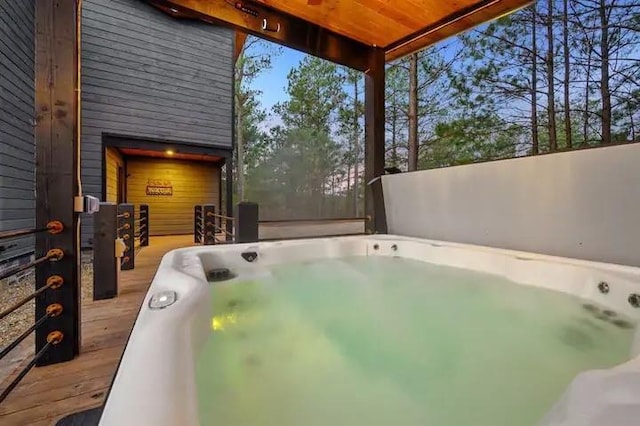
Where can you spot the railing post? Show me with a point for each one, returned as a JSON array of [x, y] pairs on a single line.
[[57, 148], [209, 221], [246, 222], [126, 225], [197, 224], [144, 225], [106, 266]]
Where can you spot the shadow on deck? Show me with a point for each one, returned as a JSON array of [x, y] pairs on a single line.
[[48, 393]]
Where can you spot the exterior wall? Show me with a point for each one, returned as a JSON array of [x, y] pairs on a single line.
[[148, 75], [191, 183], [17, 143], [582, 204], [113, 161]]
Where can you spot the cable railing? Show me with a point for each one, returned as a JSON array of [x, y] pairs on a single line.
[[119, 231], [211, 227], [133, 229], [208, 226], [53, 310], [217, 221], [53, 339]]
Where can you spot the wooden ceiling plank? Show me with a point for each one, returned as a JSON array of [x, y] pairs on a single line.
[[293, 32], [344, 31], [389, 9], [346, 17]]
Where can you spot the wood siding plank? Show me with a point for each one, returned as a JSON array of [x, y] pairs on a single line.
[[148, 75], [192, 183], [17, 143], [113, 161]]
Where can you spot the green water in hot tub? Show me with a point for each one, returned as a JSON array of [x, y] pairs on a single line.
[[391, 341]]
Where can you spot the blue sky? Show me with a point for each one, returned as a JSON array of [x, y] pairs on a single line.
[[273, 82]]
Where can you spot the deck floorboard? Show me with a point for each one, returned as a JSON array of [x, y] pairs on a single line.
[[49, 393]]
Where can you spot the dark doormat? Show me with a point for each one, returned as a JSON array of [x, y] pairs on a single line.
[[82, 418]]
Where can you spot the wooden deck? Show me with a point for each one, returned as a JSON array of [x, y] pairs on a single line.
[[48, 393]]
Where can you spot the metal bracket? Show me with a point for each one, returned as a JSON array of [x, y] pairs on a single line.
[[86, 204]]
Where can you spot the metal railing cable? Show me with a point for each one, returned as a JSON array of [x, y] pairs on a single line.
[[53, 282], [53, 227], [53, 310], [220, 216], [17, 269], [219, 228], [53, 339]]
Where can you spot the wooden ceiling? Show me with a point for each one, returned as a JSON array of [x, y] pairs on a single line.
[[399, 27]]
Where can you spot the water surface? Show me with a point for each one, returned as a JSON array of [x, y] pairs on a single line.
[[391, 341]]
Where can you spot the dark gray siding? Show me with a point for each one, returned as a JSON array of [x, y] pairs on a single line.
[[17, 143], [146, 74]]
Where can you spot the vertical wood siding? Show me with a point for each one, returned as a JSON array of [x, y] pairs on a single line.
[[113, 161], [17, 143], [146, 74], [191, 182]]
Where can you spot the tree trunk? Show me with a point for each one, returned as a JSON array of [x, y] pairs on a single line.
[[553, 142], [356, 149], [394, 141], [604, 74], [534, 83], [413, 112], [567, 100], [349, 175], [585, 124], [239, 149]]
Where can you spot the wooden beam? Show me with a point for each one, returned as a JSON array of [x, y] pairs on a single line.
[[281, 28], [460, 21], [238, 44], [374, 141], [57, 171]]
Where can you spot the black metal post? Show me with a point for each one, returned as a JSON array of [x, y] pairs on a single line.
[[106, 266], [374, 140], [197, 224], [229, 198], [126, 223], [246, 221], [57, 171], [144, 225], [209, 221]]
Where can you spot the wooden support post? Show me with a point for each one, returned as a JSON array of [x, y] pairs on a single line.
[[106, 266], [144, 225], [57, 171], [246, 220], [209, 221], [374, 141], [197, 224], [126, 231], [229, 207]]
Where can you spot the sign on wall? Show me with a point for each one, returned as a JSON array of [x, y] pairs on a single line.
[[159, 187]]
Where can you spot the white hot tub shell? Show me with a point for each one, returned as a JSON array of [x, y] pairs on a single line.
[[155, 382]]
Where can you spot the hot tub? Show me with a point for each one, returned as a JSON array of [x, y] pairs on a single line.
[[380, 330]]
